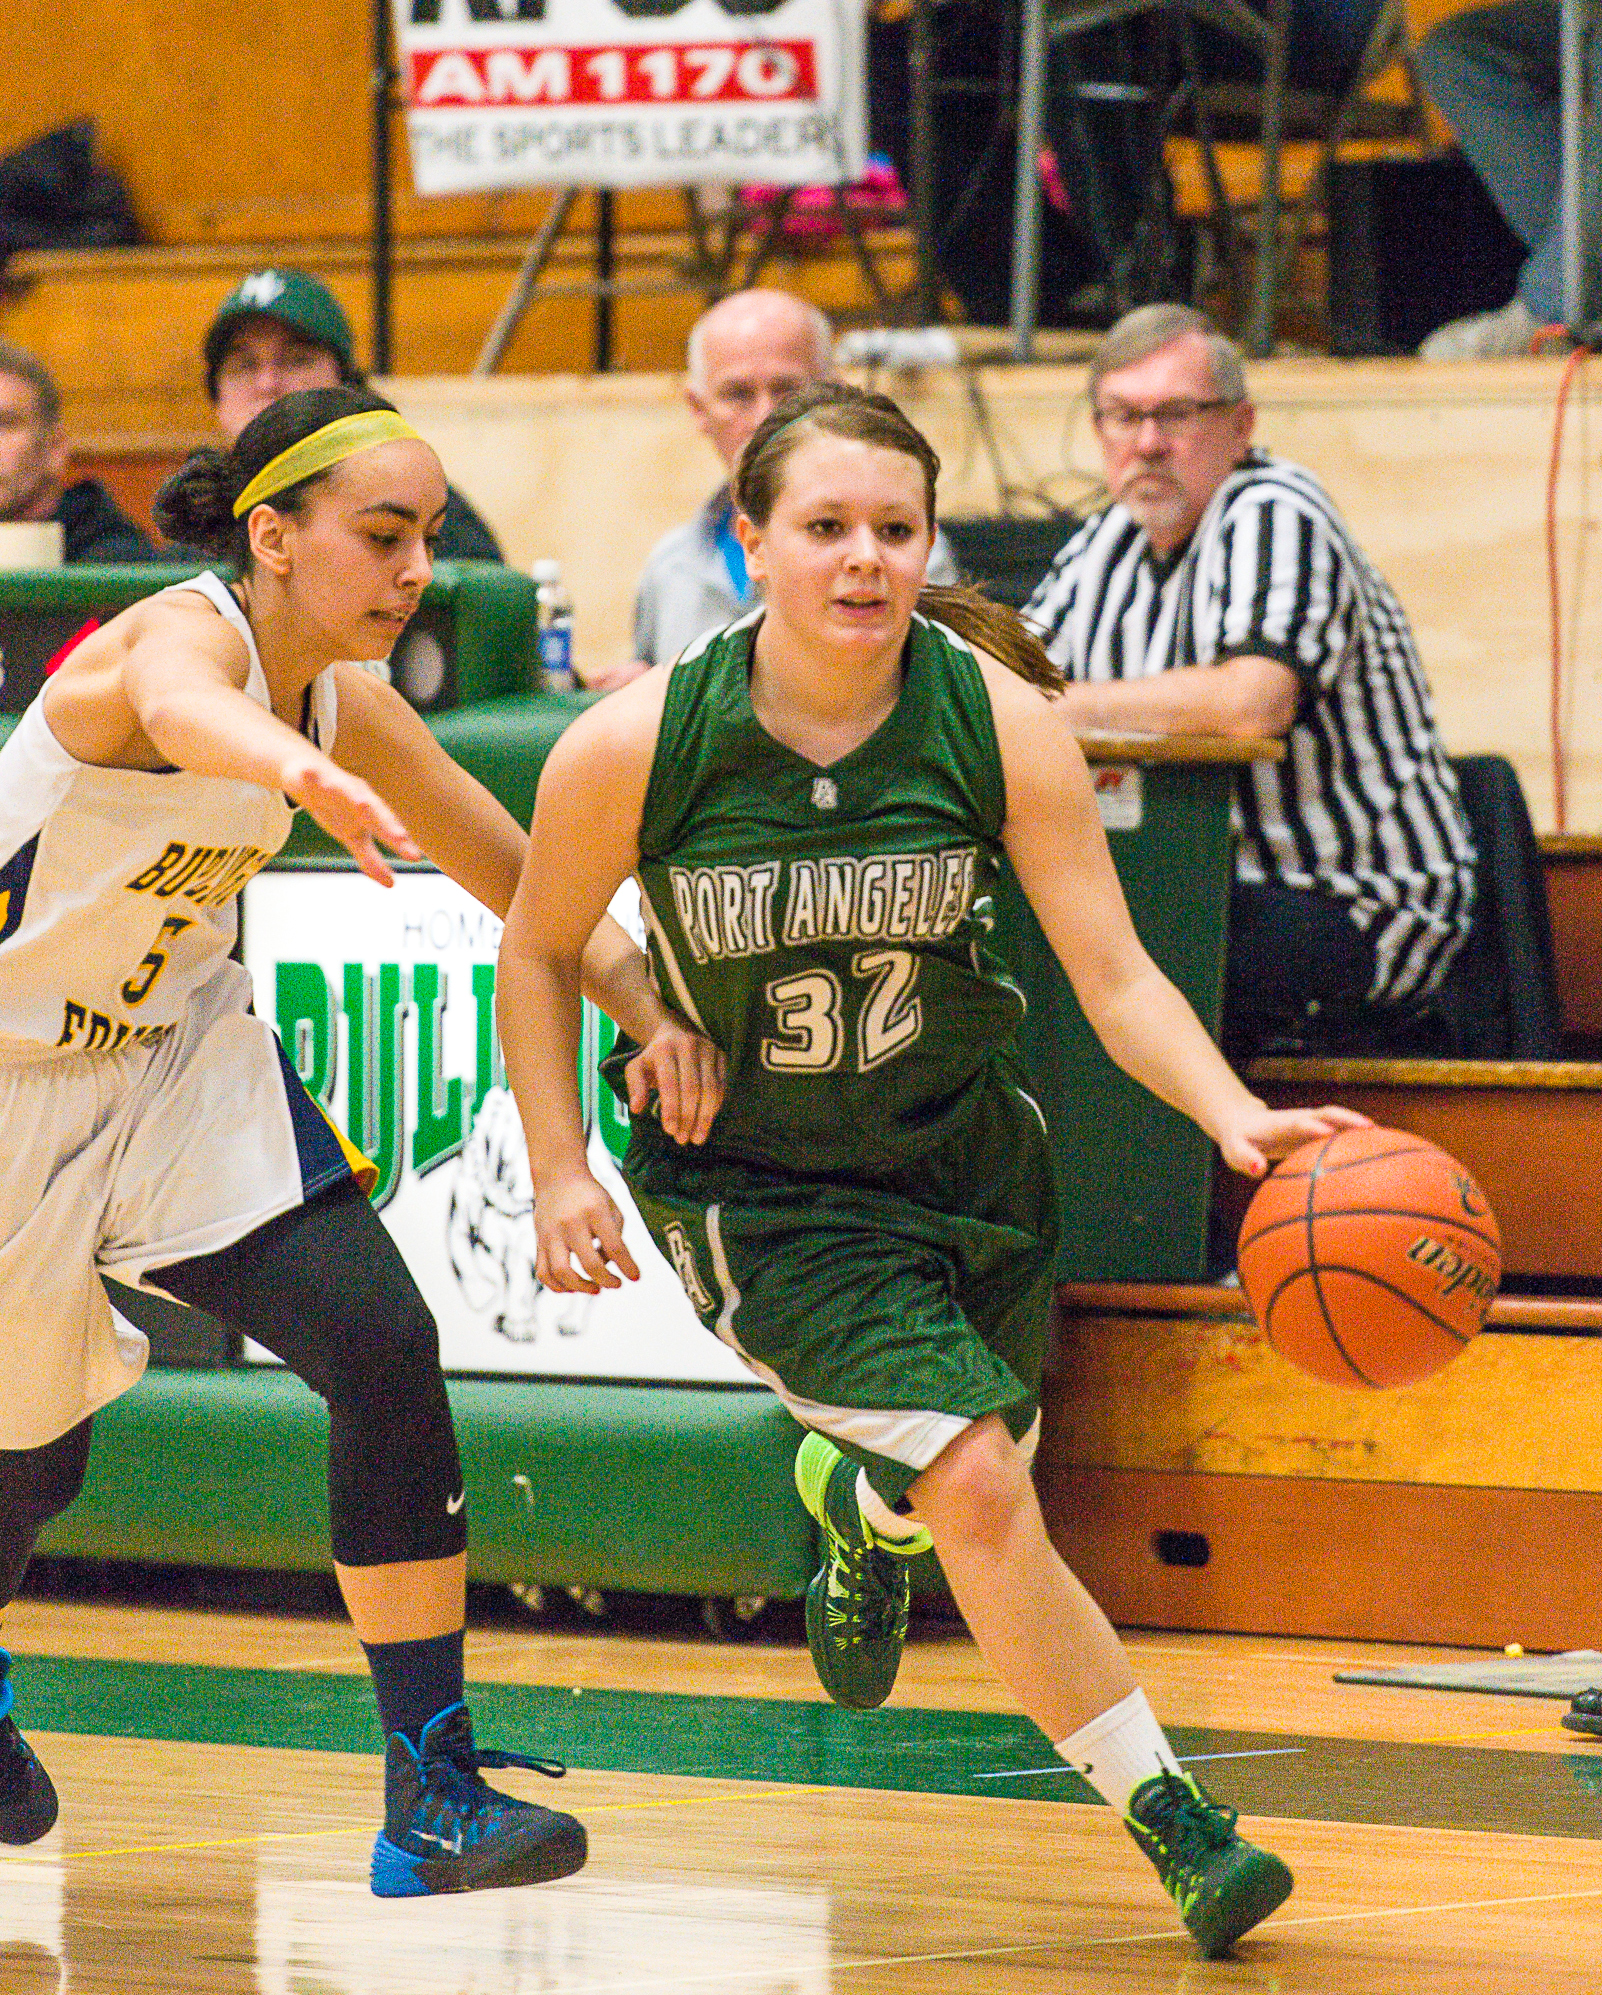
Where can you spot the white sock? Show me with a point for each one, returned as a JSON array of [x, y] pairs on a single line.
[[896, 1533], [1120, 1749]]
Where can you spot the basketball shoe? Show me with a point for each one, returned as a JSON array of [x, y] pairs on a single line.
[[28, 1805], [446, 1830], [1584, 1713], [857, 1605], [1221, 1883]]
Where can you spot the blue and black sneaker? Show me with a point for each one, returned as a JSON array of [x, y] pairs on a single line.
[[446, 1830], [28, 1805]]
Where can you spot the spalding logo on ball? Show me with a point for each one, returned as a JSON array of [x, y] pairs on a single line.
[[1370, 1257]]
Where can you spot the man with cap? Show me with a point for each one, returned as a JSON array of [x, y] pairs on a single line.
[[34, 454], [281, 330]]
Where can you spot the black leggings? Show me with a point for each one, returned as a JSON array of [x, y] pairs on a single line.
[[325, 1289]]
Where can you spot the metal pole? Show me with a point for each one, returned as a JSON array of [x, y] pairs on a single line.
[[1026, 181], [921, 148], [604, 243], [1260, 335], [383, 78], [528, 278], [1572, 219]]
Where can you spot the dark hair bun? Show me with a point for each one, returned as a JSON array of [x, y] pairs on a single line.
[[195, 507]]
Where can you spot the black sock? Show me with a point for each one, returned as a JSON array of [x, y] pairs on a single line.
[[415, 1681]]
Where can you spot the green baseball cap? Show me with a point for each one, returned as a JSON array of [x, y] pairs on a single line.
[[291, 296]]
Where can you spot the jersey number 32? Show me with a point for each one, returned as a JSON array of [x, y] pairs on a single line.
[[809, 1035]]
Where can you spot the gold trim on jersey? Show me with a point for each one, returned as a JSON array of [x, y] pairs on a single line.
[[362, 1167]]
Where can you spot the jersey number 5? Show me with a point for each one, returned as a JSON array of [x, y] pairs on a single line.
[[808, 1015], [140, 984]]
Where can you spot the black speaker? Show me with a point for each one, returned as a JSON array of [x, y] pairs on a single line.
[[1412, 243], [1008, 557], [44, 611], [474, 637]]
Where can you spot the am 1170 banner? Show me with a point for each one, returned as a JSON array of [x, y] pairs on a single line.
[[631, 93]]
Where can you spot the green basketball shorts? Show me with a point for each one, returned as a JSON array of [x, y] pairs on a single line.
[[885, 1324]]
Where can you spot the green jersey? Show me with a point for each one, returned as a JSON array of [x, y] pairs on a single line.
[[830, 928]]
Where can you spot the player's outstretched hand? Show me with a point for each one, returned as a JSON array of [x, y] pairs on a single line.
[[1253, 1139], [686, 1073], [575, 1221], [351, 811]]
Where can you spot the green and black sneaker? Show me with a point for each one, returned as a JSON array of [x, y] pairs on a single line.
[[1221, 1883], [857, 1605], [1584, 1713]]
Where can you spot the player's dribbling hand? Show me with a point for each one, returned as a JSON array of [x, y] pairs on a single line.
[[1250, 1141], [351, 811], [575, 1221], [686, 1073]]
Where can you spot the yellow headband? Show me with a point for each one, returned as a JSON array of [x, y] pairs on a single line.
[[321, 451]]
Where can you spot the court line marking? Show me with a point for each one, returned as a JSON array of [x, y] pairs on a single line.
[[216, 1843], [1411, 1911], [1186, 1759], [1251, 1752], [1168, 1934], [1385, 1659], [365, 1827], [347, 1663], [1470, 1738]]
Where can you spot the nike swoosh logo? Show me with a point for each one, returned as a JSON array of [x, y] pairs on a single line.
[[454, 1503]]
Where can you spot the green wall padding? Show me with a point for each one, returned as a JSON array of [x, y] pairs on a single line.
[[643, 1488]]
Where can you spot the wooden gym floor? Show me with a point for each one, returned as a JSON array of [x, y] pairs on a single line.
[[220, 1787]]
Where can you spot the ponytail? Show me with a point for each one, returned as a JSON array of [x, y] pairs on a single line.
[[195, 506], [991, 627]]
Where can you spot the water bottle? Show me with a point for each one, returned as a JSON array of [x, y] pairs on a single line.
[[555, 627]]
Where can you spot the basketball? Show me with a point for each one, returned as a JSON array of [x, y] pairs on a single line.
[[1370, 1257]]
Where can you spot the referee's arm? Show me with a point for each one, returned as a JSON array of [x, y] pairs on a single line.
[[1245, 696]]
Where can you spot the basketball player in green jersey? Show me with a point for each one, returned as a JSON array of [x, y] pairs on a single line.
[[816, 802]]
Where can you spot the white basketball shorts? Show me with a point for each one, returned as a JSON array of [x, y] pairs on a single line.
[[123, 1162]]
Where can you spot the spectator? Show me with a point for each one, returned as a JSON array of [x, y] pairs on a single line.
[[1221, 593], [33, 470], [281, 330], [1495, 73], [745, 353]]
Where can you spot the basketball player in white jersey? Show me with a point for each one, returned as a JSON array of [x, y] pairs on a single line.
[[154, 1129]]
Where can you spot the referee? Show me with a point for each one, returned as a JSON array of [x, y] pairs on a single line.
[[1221, 593]]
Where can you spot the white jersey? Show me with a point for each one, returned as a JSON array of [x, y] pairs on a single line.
[[118, 887]]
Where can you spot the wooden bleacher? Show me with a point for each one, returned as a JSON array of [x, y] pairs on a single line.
[[1194, 1478], [121, 329]]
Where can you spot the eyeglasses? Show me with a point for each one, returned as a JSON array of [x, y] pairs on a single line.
[[1122, 423]]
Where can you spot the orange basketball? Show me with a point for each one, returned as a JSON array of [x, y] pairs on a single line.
[[1369, 1257]]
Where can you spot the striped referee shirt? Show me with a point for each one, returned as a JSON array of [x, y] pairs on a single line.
[[1365, 805]]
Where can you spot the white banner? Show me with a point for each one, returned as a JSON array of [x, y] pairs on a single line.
[[385, 1004], [632, 93]]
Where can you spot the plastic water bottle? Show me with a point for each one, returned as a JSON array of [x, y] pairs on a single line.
[[555, 627]]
